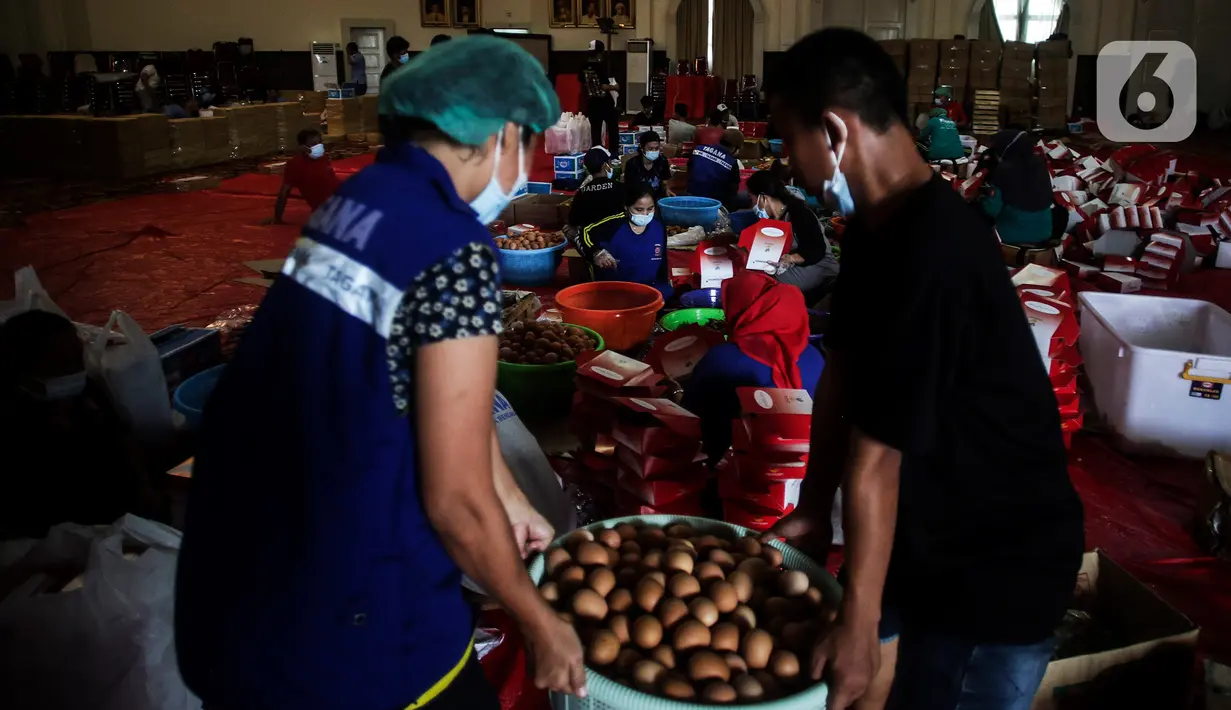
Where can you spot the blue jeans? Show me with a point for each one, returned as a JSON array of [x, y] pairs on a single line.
[[938, 673]]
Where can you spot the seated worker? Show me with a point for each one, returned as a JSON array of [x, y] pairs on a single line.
[[1018, 190], [76, 460], [398, 51], [647, 116], [599, 196], [713, 170], [767, 346], [309, 172], [941, 137], [679, 129], [649, 165], [632, 245], [725, 119], [943, 98], [810, 264], [711, 133]]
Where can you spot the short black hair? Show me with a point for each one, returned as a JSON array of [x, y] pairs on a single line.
[[648, 137], [848, 70], [715, 117], [595, 159], [352, 47], [647, 100], [440, 38], [306, 134], [395, 45], [681, 110]]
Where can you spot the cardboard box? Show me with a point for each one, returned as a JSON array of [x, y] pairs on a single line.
[[954, 52], [610, 374], [664, 491], [897, 49], [1053, 49], [343, 116], [657, 427], [546, 211], [1148, 668], [369, 120], [773, 497], [1017, 52], [766, 242], [715, 264], [568, 163], [676, 354], [924, 61], [737, 514], [130, 146], [187, 136], [252, 129], [774, 417]]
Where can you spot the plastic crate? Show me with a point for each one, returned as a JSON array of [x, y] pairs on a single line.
[[1138, 352]]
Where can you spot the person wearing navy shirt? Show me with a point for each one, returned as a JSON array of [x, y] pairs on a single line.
[[767, 346], [631, 245], [345, 477], [713, 170], [649, 165]]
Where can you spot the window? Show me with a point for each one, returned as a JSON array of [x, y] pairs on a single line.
[[1028, 20]]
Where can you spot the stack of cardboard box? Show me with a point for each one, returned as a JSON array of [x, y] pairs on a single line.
[[217, 129], [367, 114], [309, 101], [896, 48], [57, 143], [921, 77], [1015, 89], [1052, 75], [292, 120], [760, 480], [343, 116], [129, 146], [187, 142], [955, 67], [984, 65], [253, 129]]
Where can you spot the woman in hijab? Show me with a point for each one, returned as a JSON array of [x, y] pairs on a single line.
[[1018, 193], [767, 346]]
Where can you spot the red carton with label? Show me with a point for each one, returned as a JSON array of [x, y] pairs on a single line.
[[766, 242], [1046, 278], [738, 514], [650, 467], [629, 504], [1052, 323], [661, 492], [610, 374], [677, 353], [658, 427], [757, 469], [716, 263], [777, 498], [775, 418]]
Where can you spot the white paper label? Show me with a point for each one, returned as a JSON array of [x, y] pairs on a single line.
[[609, 374], [764, 399], [681, 343], [642, 403]]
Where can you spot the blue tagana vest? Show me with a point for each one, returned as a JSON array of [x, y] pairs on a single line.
[[712, 173], [309, 575]]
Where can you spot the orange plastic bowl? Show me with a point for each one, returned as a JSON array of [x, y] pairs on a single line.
[[621, 311]]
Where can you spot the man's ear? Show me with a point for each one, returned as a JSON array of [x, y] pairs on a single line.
[[836, 130]]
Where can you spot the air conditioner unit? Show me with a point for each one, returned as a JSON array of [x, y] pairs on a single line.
[[324, 66], [638, 59]]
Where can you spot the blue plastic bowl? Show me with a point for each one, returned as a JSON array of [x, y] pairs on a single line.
[[192, 394], [689, 211], [702, 298], [775, 147], [742, 219], [536, 267]]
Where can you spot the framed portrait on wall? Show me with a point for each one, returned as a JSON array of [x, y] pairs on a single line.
[[563, 13], [466, 13], [434, 13], [623, 13], [589, 11]]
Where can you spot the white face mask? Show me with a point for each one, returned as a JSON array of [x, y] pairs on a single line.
[[836, 191], [59, 388], [641, 219], [761, 212], [652, 155], [492, 201], [610, 173], [317, 151]]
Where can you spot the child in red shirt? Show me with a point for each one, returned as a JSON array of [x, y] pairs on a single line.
[[309, 172]]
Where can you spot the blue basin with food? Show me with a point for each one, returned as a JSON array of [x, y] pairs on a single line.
[[192, 394]]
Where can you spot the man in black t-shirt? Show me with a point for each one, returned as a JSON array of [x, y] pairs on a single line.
[[649, 165], [935, 413], [600, 105]]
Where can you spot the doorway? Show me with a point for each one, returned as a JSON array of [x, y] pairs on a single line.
[[371, 41]]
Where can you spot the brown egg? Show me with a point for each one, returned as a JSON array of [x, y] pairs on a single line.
[[651, 538], [664, 655], [814, 596], [658, 576], [719, 693], [601, 580], [749, 546], [672, 611], [756, 647], [708, 571], [627, 659], [571, 575], [784, 664], [618, 624], [679, 544], [735, 662], [613, 557], [628, 547], [647, 674], [772, 555], [619, 600], [793, 583], [677, 560], [587, 604], [742, 584], [675, 685], [647, 631], [630, 559], [747, 687], [724, 637], [769, 684], [724, 595], [610, 538], [704, 610], [550, 592], [647, 593], [754, 567], [683, 586], [680, 530], [555, 557], [652, 559], [744, 617], [627, 531], [592, 553], [604, 647], [689, 635], [706, 665]]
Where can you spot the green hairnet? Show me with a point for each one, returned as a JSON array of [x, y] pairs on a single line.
[[470, 87], [943, 91], [939, 113]]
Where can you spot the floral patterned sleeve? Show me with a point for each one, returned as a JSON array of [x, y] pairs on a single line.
[[458, 297]]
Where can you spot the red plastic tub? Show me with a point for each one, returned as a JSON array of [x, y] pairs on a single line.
[[620, 311]]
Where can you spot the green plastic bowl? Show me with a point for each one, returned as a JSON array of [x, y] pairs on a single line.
[[606, 694], [541, 389], [685, 316]]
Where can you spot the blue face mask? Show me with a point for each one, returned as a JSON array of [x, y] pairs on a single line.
[[610, 173], [641, 219], [403, 58], [317, 151], [652, 155], [760, 211], [492, 201], [836, 191]]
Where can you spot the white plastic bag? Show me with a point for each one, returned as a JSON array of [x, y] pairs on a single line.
[[29, 295], [132, 373], [105, 641]]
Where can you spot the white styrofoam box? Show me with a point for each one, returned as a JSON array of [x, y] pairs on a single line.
[[1136, 348]]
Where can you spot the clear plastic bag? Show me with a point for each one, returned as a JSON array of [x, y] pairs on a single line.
[[133, 375], [29, 295]]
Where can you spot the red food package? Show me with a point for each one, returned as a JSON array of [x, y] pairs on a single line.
[[675, 354], [682, 464], [766, 242], [775, 416], [610, 374], [778, 498], [656, 426], [663, 491], [752, 467], [1052, 322], [629, 504], [735, 513], [1118, 283]]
